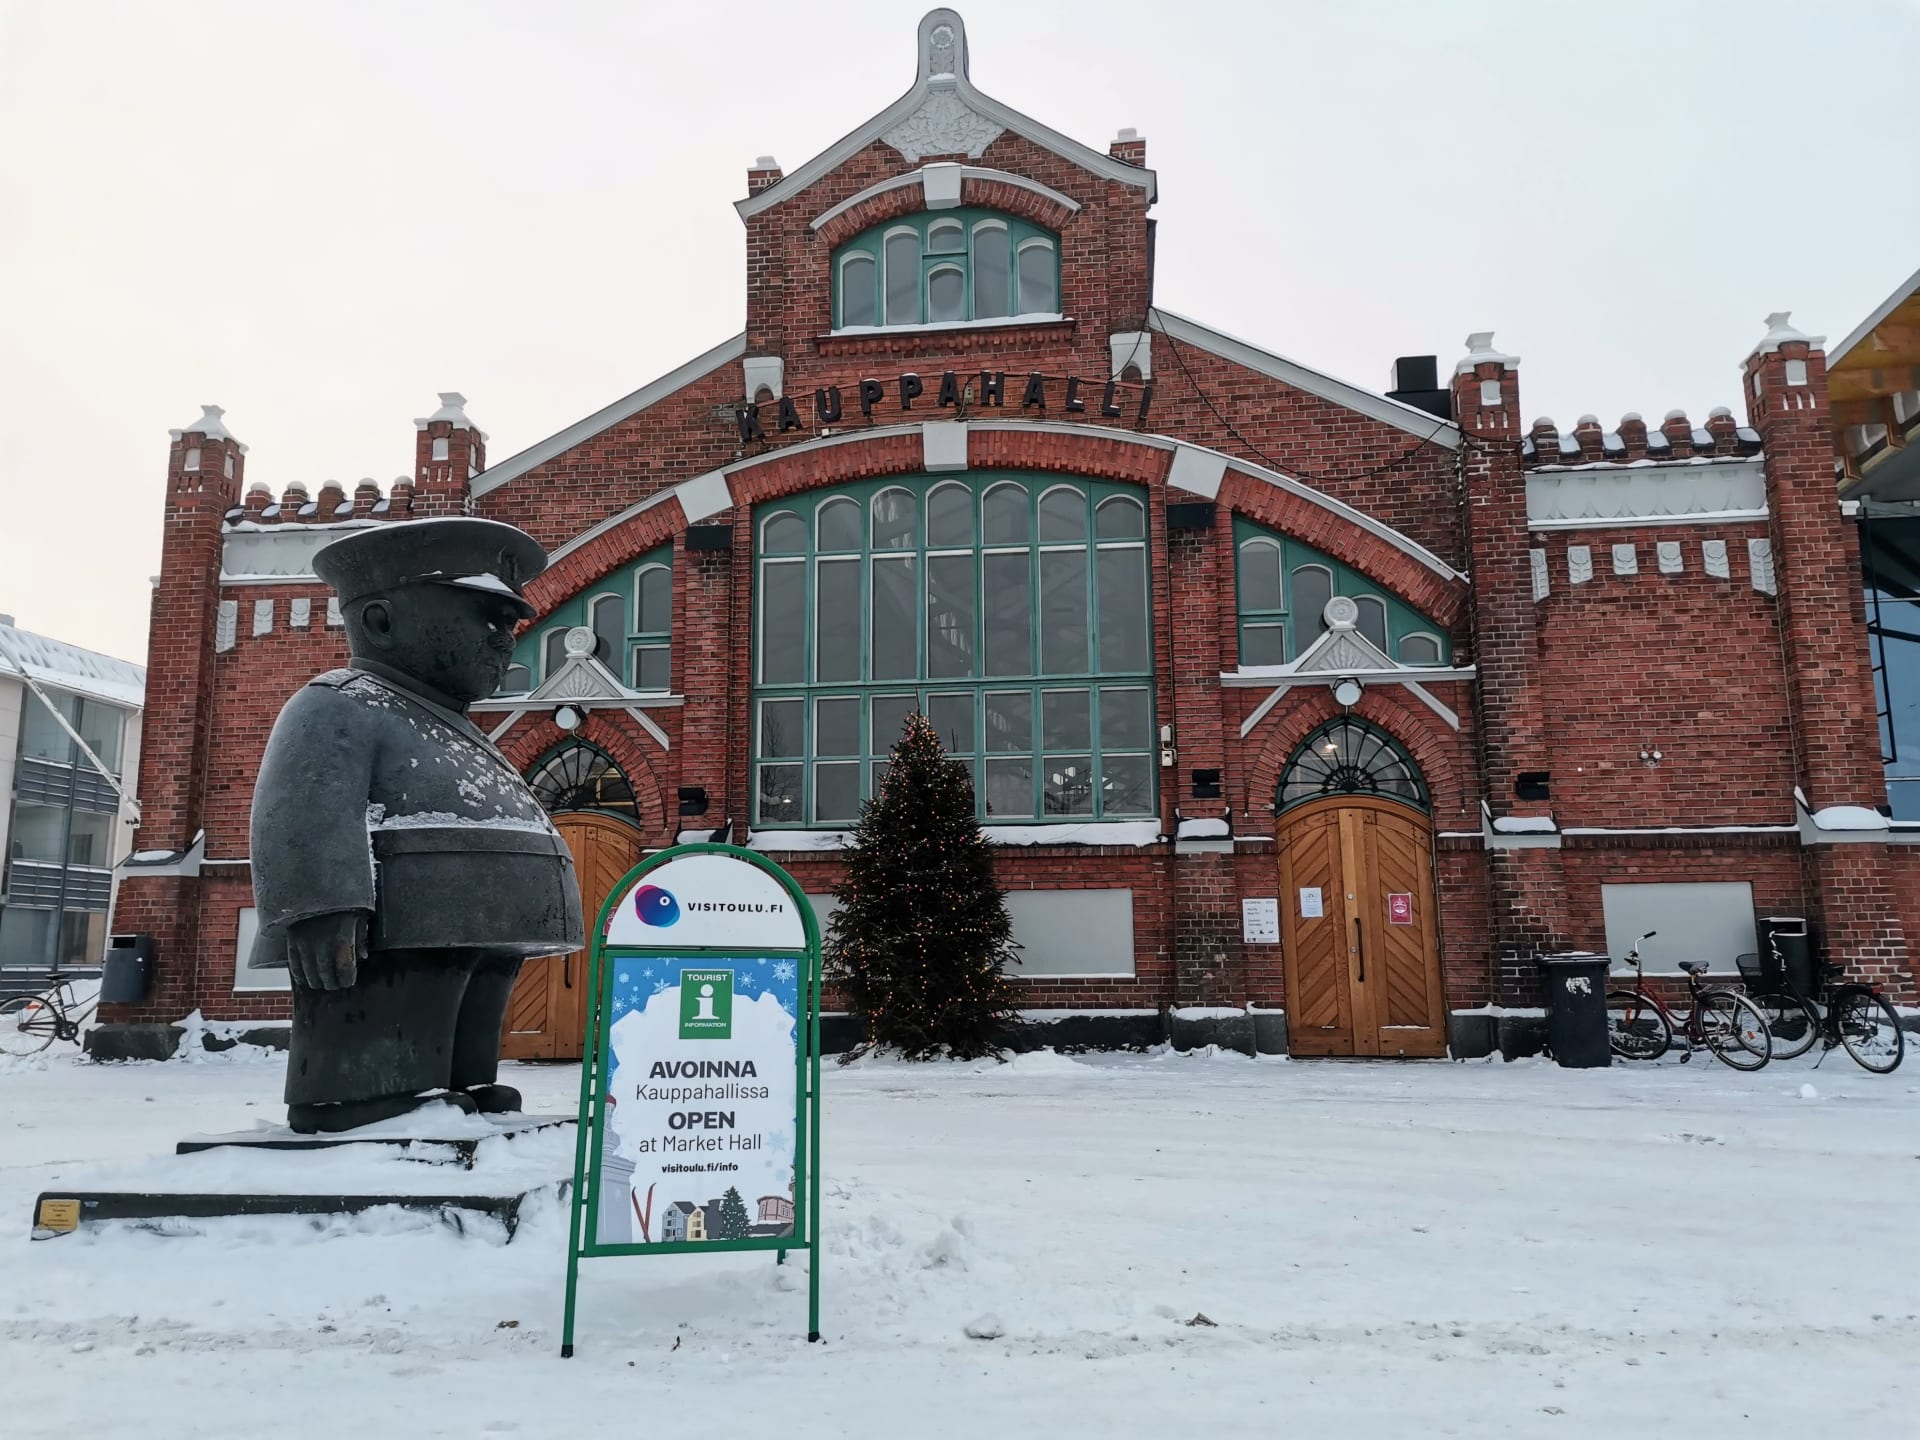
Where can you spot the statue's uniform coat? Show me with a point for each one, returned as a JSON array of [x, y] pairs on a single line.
[[374, 798]]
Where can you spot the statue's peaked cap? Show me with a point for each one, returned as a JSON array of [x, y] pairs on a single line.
[[476, 554]]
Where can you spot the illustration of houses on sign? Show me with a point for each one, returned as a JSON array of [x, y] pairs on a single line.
[[684, 1222], [776, 1216]]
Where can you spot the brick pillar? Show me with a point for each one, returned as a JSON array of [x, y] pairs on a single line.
[[1206, 926], [206, 473], [1526, 898], [449, 450], [705, 661], [1816, 576]]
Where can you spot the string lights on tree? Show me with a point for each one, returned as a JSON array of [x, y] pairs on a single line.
[[921, 940]]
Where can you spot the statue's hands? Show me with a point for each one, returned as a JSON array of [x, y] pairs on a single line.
[[324, 951]]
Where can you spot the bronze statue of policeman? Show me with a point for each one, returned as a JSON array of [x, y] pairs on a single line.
[[402, 869]]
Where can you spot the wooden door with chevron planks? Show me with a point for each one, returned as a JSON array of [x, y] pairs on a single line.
[[547, 1012], [1361, 948]]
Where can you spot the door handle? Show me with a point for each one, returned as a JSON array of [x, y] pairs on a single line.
[[1360, 944], [566, 969]]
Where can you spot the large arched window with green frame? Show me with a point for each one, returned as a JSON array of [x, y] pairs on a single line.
[[1012, 609], [1283, 588], [946, 267]]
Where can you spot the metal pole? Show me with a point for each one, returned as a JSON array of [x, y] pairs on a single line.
[[813, 1153], [589, 1065]]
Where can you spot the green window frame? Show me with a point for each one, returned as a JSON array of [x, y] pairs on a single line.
[[946, 267], [630, 611], [1013, 609], [1281, 587]]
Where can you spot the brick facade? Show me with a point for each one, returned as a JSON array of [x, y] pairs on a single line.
[[1745, 689]]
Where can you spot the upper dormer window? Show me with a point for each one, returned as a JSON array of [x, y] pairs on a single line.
[[946, 267]]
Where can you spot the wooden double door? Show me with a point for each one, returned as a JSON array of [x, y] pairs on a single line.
[[547, 1012], [1361, 948]]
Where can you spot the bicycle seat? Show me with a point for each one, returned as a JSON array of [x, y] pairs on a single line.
[[1694, 967]]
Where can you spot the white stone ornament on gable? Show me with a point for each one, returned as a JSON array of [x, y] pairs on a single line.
[[1626, 560], [944, 124], [225, 623], [300, 613], [262, 616], [1760, 565], [1579, 564], [1542, 586], [1670, 559], [1713, 557]]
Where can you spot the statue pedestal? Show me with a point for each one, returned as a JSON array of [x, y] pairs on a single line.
[[447, 1167]]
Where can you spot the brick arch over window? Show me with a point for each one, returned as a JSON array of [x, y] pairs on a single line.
[[1093, 451], [1015, 200], [535, 736], [1436, 749]]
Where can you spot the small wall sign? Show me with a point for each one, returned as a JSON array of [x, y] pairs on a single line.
[[1400, 908], [1310, 902], [1260, 922]]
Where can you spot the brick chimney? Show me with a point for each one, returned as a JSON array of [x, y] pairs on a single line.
[[1128, 146], [763, 174]]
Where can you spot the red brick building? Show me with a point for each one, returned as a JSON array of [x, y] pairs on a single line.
[[1281, 695]]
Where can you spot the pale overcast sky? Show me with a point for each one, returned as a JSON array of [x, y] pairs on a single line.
[[319, 215]]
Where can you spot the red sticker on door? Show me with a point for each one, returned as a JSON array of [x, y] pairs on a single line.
[[1400, 908]]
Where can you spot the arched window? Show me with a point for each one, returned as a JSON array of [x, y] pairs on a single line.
[[579, 776], [553, 652], [1039, 278], [1019, 624], [517, 681], [1347, 756], [653, 627], [946, 267], [1420, 649], [609, 631], [859, 289], [1282, 588]]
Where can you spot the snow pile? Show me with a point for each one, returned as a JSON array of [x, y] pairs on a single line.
[[1523, 825], [1848, 817]]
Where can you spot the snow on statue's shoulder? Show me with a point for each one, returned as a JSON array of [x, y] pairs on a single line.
[[1849, 817]]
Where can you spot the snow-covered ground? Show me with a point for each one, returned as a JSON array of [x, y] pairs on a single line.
[[1385, 1250]]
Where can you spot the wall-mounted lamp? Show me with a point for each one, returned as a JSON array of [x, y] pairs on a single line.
[[1347, 693], [569, 718]]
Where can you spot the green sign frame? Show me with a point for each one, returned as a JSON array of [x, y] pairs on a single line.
[[596, 1068]]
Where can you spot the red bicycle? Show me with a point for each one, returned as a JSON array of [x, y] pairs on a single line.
[[1640, 1027]]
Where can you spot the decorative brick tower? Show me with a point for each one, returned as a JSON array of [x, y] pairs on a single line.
[[1815, 563], [1527, 893], [206, 474], [449, 451]]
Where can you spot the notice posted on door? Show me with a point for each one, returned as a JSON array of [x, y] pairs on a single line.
[[698, 1143]]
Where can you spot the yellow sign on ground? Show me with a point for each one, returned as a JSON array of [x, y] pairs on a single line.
[[57, 1215]]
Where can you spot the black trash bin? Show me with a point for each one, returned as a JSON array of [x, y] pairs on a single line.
[[1787, 937], [128, 971], [1576, 988]]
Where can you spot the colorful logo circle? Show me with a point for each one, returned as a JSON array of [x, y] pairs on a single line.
[[655, 906]]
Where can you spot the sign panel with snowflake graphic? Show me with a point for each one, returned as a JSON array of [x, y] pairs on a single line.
[[700, 1089]]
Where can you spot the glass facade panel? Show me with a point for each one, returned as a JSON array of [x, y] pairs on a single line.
[[903, 278], [1039, 279], [974, 619], [992, 271], [41, 737], [859, 291]]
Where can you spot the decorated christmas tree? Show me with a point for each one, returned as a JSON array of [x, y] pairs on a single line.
[[733, 1216], [921, 939]]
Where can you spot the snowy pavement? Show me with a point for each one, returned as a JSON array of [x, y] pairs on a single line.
[[1385, 1250]]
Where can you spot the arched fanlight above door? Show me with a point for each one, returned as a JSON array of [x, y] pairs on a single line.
[[579, 776], [1347, 756]]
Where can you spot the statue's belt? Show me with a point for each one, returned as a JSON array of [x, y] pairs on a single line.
[[463, 839]]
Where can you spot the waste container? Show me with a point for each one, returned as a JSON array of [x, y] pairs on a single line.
[[1787, 938], [1576, 988], [129, 968]]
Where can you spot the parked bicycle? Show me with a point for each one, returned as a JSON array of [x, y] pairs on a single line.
[[30, 1023], [1641, 1027], [1855, 1016]]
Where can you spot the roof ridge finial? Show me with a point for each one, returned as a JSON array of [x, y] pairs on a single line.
[[943, 47]]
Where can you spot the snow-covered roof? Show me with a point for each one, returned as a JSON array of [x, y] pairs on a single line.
[[61, 666]]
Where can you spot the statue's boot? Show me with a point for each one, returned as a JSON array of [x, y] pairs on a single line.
[[333, 1117], [495, 1099]]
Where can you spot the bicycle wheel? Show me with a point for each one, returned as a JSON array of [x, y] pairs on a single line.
[[1869, 1029], [1733, 1029], [1636, 1030], [1793, 1022], [26, 1025]]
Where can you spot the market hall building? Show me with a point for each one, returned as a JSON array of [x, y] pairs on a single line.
[[1279, 695]]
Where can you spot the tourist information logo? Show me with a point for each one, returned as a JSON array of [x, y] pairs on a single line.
[[706, 1005]]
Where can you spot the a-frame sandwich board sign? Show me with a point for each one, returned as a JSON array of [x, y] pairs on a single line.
[[700, 1089]]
